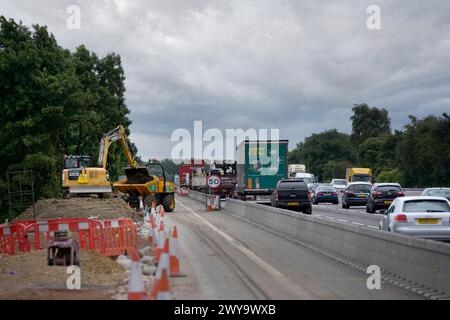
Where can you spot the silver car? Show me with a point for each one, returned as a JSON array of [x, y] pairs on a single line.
[[437, 192], [423, 217]]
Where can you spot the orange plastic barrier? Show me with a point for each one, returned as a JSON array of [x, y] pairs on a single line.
[[108, 237]]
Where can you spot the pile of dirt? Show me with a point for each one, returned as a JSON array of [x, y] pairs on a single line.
[[79, 208], [29, 272]]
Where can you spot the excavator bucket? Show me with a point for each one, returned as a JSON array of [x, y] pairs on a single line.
[[138, 175]]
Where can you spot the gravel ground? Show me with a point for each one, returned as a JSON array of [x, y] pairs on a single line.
[[79, 208], [24, 274]]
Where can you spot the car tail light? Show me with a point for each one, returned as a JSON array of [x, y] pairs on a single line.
[[401, 218], [400, 194], [377, 194], [276, 196], [320, 194], [350, 194], [309, 196], [334, 194]]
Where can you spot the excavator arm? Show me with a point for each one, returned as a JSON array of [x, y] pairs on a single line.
[[117, 134]]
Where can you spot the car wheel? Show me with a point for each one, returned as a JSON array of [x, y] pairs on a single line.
[[307, 210]]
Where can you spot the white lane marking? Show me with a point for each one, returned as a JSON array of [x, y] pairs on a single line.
[[330, 218], [235, 244], [372, 227], [318, 215], [342, 220], [358, 224]]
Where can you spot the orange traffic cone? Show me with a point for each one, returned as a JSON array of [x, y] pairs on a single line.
[[162, 265], [173, 253], [136, 289], [161, 240], [151, 236], [164, 287]]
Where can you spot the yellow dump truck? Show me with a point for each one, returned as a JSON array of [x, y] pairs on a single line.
[[359, 174], [145, 183]]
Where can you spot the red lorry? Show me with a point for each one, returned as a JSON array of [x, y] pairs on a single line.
[[222, 179], [185, 172]]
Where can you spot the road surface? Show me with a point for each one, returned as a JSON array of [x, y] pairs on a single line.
[[226, 258]]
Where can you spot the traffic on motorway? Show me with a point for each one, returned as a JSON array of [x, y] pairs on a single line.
[[425, 216]]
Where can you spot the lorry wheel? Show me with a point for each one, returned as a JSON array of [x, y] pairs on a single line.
[[169, 203]]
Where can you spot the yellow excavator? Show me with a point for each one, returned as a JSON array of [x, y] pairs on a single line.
[[79, 177]]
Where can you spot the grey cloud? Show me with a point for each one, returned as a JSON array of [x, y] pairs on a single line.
[[294, 65]]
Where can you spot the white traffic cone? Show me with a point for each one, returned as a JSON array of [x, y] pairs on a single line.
[[174, 259], [164, 287], [163, 264], [136, 288]]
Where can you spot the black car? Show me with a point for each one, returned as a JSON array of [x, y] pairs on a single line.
[[356, 194], [294, 194], [382, 195]]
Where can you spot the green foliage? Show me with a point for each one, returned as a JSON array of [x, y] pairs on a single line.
[[319, 149], [335, 170], [418, 156], [423, 154], [391, 176], [369, 122], [377, 153], [55, 102]]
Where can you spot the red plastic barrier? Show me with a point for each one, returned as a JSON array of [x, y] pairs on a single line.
[[6, 240], [108, 237]]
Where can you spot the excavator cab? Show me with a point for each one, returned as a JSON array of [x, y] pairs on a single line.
[[77, 162]]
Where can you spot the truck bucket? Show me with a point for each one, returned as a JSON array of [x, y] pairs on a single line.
[[138, 175]]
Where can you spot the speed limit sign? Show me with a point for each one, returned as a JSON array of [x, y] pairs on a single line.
[[213, 182]]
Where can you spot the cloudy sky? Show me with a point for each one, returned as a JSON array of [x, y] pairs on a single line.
[[296, 65]]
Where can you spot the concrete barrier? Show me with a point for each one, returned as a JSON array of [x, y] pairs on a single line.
[[420, 262], [197, 196]]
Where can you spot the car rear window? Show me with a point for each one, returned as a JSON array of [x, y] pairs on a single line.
[[426, 206], [340, 182], [360, 188], [388, 188], [292, 185], [439, 193], [326, 189]]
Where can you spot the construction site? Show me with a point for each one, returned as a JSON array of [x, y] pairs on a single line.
[[98, 241], [205, 151]]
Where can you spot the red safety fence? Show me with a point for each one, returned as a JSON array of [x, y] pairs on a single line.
[[183, 192], [107, 237]]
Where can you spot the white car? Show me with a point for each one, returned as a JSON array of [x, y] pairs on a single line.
[[422, 216], [339, 184], [437, 192]]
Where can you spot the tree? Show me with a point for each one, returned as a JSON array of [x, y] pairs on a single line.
[[369, 122], [377, 153], [423, 154], [335, 170], [54, 102], [318, 149]]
